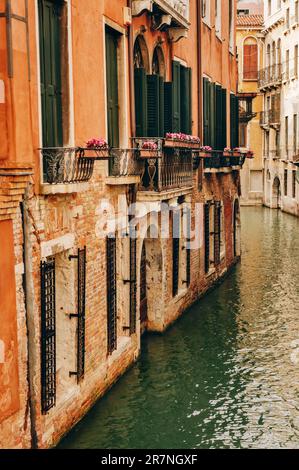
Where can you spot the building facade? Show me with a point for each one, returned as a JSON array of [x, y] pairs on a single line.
[[100, 244], [279, 83], [250, 61]]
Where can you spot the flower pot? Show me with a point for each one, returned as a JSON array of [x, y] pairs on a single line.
[[236, 154], [227, 154], [97, 152], [147, 153]]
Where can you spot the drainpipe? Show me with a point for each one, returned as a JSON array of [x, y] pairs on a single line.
[[29, 312], [199, 70], [131, 75]]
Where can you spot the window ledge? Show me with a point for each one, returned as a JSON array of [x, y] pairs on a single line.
[[122, 180], [181, 294], [124, 342], [69, 188]]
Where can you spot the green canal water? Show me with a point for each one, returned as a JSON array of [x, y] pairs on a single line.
[[226, 375]]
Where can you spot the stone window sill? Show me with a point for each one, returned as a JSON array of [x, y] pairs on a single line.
[[70, 188], [124, 342]]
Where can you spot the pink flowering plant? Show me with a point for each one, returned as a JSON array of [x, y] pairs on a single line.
[[179, 136], [227, 149], [97, 143], [149, 145], [206, 148]]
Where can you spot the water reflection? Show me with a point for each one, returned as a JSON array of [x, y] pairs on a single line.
[[226, 375]]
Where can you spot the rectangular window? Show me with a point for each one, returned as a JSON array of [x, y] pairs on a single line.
[[111, 41], [294, 183], [81, 299], [286, 130], [111, 294], [296, 61], [295, 133], [287, 65], [243, 134], [48, 336], [250, 62], [50, 14], [269, 7], [234, 120], [133, 283], [218, 17], [288, 18], [297, 11], [175, 265], [217, 232], [285, 182], [207, 236]]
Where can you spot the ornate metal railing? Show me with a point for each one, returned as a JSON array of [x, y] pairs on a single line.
[[219, 160], [264, 118], [66, 165], [123, 162], [270, 76], [174, 169]]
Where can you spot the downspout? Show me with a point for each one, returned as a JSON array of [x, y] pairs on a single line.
[[199, 71], [131, 75], [29, 312]]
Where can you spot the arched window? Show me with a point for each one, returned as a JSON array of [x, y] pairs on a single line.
[[268, 55], [158, 64], [141, 58], [250, 59]]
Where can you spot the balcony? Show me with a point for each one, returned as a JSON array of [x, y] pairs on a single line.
[[166, 14], [270, 77], [265, 119], [246, 116], [218, 161], [64, 168], [274, 118]]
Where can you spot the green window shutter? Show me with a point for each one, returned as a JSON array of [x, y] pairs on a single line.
[[168, 106], [206, 111], [50, 64], [153, 109], [140, 102], [161, 108], [224, 119], [232, 121], [112, 88], [176, 97], [186, 102], [219, 118], [212, 119], [237, 121]]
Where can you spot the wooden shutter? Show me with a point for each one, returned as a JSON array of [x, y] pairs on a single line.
[[186, 101], [50, 68], [161, 108], [250, 61], [237, 138], [140, 102], [168, 106], [234, 113], [212, 120], [224, 119], [207, 236], [153, 108], [176, 97], [112, 88], [206, 105], [219, 118]]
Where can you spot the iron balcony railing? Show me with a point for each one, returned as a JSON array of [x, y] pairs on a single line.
[[274, 117], [66, 165], [270, 76], [246, 116], [219, 160]]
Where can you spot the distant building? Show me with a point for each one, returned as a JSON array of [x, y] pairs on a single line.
[[250, 60], [279, 83]]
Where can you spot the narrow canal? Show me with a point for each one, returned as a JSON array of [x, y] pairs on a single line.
[[226, 375]]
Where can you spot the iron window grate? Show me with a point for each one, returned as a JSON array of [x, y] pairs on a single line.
[[207, 236], [48, 336], [111, 295]]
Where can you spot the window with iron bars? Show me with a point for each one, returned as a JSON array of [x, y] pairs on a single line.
[[111, 295], [48, 336], [217, 232]]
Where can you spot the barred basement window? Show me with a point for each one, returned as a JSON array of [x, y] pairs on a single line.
[[217, 232], [175, 265], [207, 236], [81, 278], [188, 263], [133, 285], [111, 295], [48, 336]]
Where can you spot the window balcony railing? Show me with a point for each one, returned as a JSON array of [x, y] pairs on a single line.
[[221, 161], [66, 165], [177, 10], [270, 76], [246, 116], [274, 117], [264, 118]]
